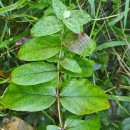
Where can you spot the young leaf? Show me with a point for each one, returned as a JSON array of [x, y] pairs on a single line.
[[70, 65], [85, 65], [29, 98], [82, 45], [73, 25], [47, 26], [39, 48], [33, 73], [52, 127], [81, 16], [81, 97], [59, 8], [90, 124]]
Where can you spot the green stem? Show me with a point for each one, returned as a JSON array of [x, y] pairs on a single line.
[[95, 18], [58, 88]]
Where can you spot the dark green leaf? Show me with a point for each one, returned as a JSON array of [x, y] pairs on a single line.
[[39, 48], [125, 124], [33, 73], [76, 124], [29, 98], [47, 26], [81, 97]]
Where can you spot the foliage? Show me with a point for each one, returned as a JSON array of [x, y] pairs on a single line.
[[74, 61]]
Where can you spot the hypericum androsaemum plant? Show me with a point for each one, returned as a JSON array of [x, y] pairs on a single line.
[[58, 71]]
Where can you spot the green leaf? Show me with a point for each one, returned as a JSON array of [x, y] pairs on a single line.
[[117, 19], [76, 124], [85, 65], [81, 97], [59, 8], [110, 44], [52, 127], [47, 26], [73, 25], [13, 39], [39, 48], [81, 16], [82, 45], [119, 98], [29, 98], [33, 73], [125, 124], [92, 4], [12, 7], [39, 4], [71, 65]]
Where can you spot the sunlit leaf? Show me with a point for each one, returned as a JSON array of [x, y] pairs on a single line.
[[33, 73], [47, 26], [73, 25], [39, 48], [81, 97], [81, 16], [59, 8], [29, 98]]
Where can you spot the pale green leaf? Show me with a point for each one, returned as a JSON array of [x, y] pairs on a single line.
[[58, 8], [52, 127], [39, 48], [81, 97], [29, 98], [73, 25], [71, 65], [76, 124], [81, 16], [33, 73], [47, 26]]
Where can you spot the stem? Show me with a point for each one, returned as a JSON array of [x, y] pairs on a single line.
[[94, 24], [58, 88]]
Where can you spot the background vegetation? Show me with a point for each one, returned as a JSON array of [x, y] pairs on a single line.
[[109, 28]]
